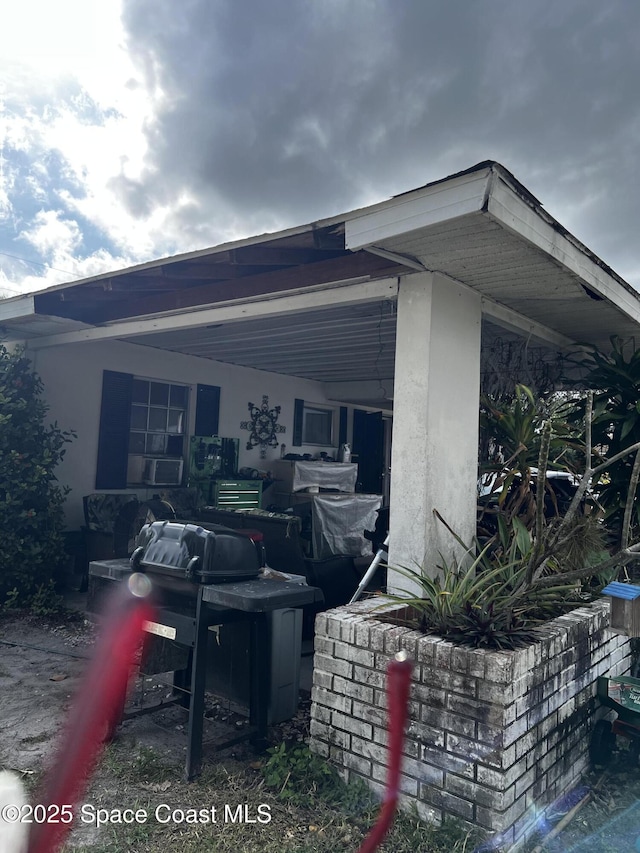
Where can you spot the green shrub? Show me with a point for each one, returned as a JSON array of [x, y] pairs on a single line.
[[510, 442], [31, 499], [298, 775]]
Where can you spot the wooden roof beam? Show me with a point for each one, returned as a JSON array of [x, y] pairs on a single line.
[[353, 265], [282, 257]]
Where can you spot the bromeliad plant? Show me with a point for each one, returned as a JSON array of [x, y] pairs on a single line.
[[487, 603]]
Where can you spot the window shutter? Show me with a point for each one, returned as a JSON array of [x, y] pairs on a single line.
[[207, 410], [298, 414], [113, 438], [342, 431]]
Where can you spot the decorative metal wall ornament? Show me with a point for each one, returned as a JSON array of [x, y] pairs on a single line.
[[264, 427]]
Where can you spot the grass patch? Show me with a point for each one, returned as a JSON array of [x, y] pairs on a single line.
[[289, 801], [143, 765]]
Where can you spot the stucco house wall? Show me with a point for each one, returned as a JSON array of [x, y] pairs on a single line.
[[72, 377]]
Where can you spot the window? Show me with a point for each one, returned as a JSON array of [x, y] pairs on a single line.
[[142, 420], [317, 425], [156, 430], [158, 418]]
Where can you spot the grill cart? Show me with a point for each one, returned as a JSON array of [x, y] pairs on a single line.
[[622, 694], [204, 578]]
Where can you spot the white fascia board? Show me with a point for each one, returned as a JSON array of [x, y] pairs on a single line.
[[17, 307], [512, 212], [273, 306], [420, 209]]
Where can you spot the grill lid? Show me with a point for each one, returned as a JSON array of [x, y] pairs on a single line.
[[188, 551]]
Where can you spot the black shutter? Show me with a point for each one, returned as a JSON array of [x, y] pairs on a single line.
[[298, 414], [342, 431], [113, 438], [207, 410]]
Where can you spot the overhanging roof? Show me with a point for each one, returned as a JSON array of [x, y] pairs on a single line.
[[483, 228], [317, 301]]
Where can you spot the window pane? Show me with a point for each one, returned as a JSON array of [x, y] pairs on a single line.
[[157, 420], [317, 426], [176, 418], [156, 443], [159, 394], [140, 391], [139, 417], [178, 397], [175, 445], [136, 442]]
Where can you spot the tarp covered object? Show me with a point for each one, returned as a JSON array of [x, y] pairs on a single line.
[[339, 522]]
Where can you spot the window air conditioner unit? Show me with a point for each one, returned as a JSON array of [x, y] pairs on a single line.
[[163, 472]]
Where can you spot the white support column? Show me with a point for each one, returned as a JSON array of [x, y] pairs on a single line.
[[435, 421]]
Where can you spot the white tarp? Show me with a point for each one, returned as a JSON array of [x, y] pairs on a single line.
[[326, 475], [339, 522]]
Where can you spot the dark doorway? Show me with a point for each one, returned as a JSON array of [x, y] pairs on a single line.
[[368, 446]]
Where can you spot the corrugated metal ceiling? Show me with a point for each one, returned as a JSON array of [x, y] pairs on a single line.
[[346, 343]]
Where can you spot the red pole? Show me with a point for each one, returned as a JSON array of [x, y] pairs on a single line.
[[398, 684], [96, 711]]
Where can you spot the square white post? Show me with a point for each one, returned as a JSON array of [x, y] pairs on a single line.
[[435, 421]]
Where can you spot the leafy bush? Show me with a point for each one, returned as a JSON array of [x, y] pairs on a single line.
[[31, 500], [511, 433], [298, 775]]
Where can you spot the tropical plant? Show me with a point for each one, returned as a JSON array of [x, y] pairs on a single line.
[[511, 434], [535, 566], [31, 500], [487, 603], [615, 426]]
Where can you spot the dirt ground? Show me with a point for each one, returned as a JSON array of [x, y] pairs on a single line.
[[41, 663], [39, 670]]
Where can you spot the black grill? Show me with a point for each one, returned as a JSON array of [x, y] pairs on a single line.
[[188, 551], [203, 577]]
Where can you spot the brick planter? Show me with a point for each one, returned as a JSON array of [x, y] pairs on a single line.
[[493, 736]]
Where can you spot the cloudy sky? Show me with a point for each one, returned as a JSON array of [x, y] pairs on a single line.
[[135, 129]]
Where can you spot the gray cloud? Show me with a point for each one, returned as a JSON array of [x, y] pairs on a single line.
[[277, 113]]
